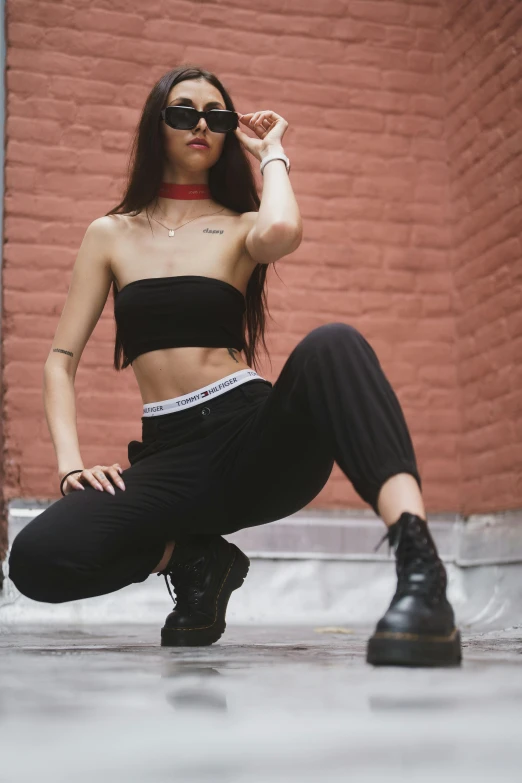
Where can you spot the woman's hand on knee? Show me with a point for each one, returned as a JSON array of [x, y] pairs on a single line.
[[96, 477]]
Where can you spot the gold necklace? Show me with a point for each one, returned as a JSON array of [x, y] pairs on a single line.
[[171, 230]]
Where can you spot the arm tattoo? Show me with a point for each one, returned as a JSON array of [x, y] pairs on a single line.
[[231, 352], [60, 350]]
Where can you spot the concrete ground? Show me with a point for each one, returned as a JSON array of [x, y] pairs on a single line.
[[263, 705]]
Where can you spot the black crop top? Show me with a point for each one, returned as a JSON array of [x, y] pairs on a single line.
[[182, 310]]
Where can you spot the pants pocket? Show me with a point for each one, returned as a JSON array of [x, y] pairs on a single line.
[[254, 391], [137, 450]]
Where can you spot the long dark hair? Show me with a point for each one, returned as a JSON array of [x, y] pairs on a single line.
[[230, 180]]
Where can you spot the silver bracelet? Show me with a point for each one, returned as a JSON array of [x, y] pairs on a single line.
[[275, 156]]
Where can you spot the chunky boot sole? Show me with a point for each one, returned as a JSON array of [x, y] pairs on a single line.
[[408, 649], [208, 634]]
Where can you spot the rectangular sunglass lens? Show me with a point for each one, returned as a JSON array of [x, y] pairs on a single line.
[[222, 120], [181, 117]]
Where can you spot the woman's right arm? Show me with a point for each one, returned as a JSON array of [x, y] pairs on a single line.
[[90, 284]]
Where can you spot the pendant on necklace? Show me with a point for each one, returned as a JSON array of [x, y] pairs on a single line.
[[171, 232]]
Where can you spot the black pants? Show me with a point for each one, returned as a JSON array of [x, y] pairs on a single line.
[[252, 455]]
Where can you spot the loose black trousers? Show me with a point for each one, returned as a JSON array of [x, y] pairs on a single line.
[[250, 456]]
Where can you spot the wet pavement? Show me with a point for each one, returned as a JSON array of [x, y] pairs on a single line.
[[263, 705]]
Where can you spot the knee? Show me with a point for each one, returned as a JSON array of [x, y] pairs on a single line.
[[31, 570], [329, 335]]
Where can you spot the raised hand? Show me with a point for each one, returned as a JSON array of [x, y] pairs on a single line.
[[269, 128]]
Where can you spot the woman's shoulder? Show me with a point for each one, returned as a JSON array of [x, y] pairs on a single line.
[[103, 226], [108, 222], [118, 221]]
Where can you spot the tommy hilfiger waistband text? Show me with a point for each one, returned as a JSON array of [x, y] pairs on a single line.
[[199, 395]]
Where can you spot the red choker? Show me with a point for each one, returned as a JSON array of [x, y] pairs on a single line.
[[171, 190]]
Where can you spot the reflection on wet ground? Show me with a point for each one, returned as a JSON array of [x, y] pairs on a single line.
[[262, 705]]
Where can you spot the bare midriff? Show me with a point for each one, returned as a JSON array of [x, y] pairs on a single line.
[[171, 372], [174, 371]]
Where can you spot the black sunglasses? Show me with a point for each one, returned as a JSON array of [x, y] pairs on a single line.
[[186, 117]]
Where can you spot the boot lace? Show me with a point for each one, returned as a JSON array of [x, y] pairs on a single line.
[[185, 579], [420, 571]]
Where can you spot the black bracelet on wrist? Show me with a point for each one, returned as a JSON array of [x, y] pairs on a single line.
[[68, 474]]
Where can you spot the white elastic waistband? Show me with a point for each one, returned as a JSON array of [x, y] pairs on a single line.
[[199, 395]]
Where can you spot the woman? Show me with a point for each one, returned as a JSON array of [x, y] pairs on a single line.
[[222, 448]]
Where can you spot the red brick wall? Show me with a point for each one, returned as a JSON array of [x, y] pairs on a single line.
[[387, 227], [483, 130]]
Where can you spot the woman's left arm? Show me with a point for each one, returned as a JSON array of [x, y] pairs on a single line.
[[278, 229], [278, 211]]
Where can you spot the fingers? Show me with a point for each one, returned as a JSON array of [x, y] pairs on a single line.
[[97, 478], [256, 115], [257, 118], [264, 123], [114, 474], [72, 481]]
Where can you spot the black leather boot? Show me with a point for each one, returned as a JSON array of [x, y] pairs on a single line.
[[204, 570], [419, 627]]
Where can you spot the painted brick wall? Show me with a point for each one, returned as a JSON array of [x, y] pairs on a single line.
[[363, 86], [483, 75]]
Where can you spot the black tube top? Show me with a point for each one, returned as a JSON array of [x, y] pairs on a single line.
[[182, 310]]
